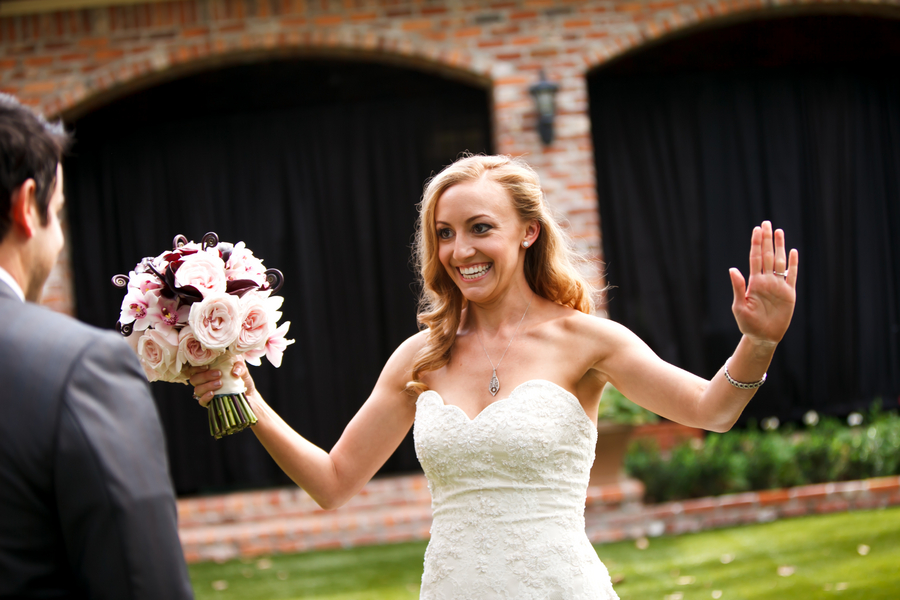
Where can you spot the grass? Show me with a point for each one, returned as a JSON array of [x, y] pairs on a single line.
[[846, 555]]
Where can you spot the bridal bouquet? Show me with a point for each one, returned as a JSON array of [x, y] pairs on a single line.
[[204, 304]]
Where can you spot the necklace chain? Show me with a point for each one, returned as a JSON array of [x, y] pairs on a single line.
[[494, 387]]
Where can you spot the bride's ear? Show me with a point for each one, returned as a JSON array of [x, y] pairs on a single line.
[[532, 231]]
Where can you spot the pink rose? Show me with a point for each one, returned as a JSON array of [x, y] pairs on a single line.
[[157, 353], [192, 352], [256, 324], [216, 321], [243, 265], [204, 271]]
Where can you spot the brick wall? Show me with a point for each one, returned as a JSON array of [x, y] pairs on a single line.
[[69, 61]]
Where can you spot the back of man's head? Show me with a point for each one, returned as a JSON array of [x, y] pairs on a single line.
[[30, 148]]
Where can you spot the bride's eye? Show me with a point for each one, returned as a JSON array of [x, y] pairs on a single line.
[[481, 228], [445, 233]]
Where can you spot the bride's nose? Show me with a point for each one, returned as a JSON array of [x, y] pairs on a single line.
[[462, 249]]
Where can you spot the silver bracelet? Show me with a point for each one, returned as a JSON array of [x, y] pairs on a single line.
[[740, 384]]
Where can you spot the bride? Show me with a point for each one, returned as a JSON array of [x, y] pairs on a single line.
[[503, 384]]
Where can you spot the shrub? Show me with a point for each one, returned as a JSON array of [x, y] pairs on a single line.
[[754, 460]]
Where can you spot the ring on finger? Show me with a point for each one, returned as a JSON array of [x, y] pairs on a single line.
[[785, 274], [196, 397]]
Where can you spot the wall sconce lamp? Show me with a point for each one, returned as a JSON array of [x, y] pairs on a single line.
[[544, 93]]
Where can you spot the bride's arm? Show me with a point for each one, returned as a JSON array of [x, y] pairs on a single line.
[[762, 308], [332, 478]]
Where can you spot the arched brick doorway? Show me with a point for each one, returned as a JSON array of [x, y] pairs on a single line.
[[317, 165], [785, 116]]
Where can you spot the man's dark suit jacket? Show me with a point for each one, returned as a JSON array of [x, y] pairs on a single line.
[[86, 502]]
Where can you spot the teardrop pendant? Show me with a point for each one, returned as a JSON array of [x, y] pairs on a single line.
[[495, 384]]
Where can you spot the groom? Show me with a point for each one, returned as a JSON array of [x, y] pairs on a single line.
[[86, 502]]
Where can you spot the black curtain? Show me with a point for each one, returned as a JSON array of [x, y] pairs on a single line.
[[317, 167], [700, 140]]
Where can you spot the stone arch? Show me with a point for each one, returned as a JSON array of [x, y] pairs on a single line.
[[158, 65], [690, 18]]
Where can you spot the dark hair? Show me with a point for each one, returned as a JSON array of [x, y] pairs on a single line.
[[30, 148]]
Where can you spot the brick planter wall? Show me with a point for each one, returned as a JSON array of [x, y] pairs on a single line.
[[398, 509], [67, 62]]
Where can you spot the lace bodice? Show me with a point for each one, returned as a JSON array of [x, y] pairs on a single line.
[[508, 490]]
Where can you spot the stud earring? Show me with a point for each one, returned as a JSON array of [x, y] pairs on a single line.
[[524, 244]]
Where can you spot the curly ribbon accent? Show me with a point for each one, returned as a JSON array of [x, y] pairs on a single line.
[[126, 329], [210, 240], [179, 241], [120, 280], [274, 279]]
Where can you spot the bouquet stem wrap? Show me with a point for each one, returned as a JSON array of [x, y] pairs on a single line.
[[229, 411]]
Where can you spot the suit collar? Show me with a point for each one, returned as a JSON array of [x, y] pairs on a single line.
[[6, 289]]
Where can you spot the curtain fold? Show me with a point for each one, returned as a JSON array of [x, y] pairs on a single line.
[[688, 163], [324, 192]]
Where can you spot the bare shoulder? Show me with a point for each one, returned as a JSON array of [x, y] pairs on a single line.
[[397, 371], [593, 338]]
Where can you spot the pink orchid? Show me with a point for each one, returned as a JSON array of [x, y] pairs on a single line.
[[136, 309], [166, 315], [143, 282], [276, 345]]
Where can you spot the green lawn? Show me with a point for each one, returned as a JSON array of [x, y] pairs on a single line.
[[847, 555]]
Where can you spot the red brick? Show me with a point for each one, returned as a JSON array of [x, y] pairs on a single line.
[[108, 54], [326, 20], [93, 42], [39, 87], [767, 497], [810, 492], [832, 506], [530, 14], [884, 484], [362, 17], [195, 32], [537, 52], [417, 24], [699, 505], [38, 61], [526, 41], [467, 32]]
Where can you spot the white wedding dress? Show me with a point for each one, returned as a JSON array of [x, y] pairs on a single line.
[[508, 491]]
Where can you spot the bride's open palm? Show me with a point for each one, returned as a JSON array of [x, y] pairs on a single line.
[[764, 304]]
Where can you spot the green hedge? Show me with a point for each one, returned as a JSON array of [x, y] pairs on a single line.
[[754, 459]]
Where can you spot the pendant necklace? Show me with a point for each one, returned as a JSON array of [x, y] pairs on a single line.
[[495, 382]]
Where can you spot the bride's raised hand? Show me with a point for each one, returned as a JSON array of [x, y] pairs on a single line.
[[207, 380], [764, 304]]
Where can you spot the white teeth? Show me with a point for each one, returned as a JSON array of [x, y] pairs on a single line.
[[473, 272]]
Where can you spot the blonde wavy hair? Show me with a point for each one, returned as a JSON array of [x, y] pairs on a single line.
[[550, 263]]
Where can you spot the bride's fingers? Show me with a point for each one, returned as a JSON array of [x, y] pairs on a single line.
[[738, 286], [756, 252], [793, 267], [768, 249], [205, 385], [780, 255]]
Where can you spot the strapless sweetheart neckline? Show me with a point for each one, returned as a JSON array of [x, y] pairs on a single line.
[[556, 386]]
